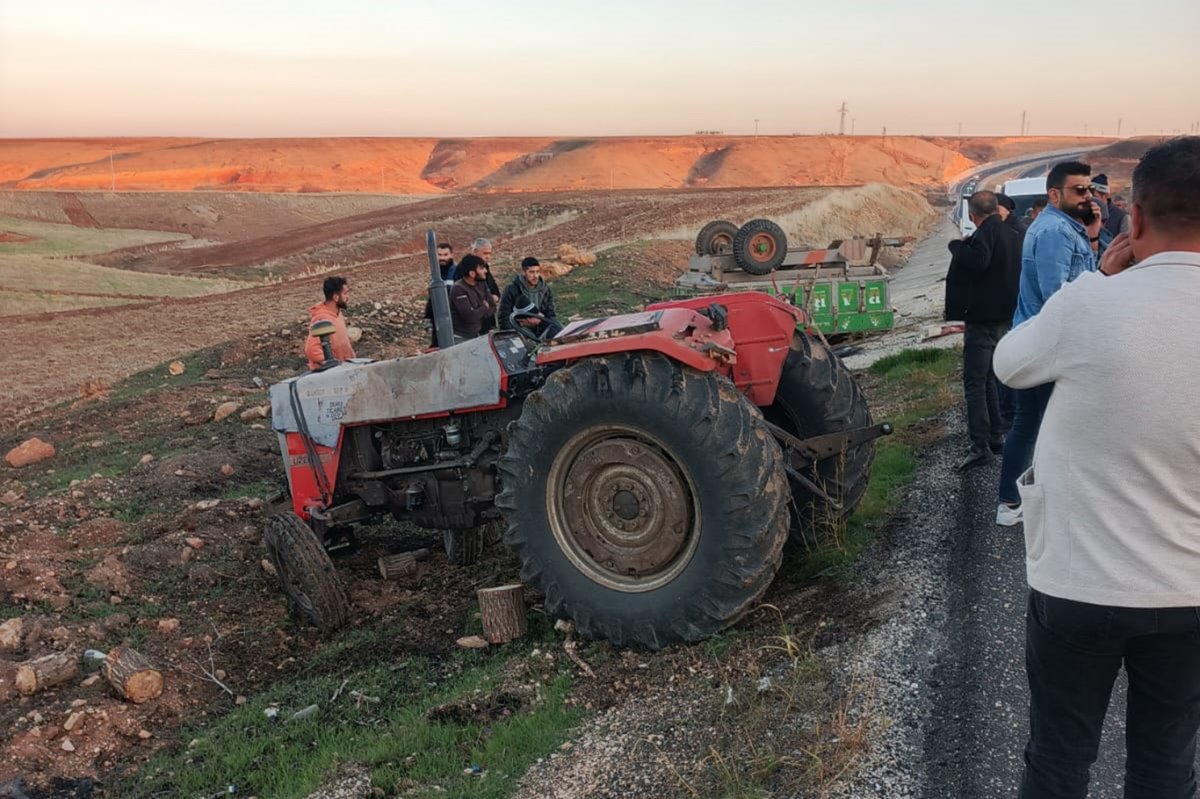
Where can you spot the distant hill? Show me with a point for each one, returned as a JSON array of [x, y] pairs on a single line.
[[433, 166]]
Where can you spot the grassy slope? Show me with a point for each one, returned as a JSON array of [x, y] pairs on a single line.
[[51, 238], [42, 274], [911, 389]]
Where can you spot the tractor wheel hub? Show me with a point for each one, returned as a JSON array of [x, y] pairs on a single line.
[[625, 510]]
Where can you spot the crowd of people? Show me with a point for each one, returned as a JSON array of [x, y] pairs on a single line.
[[1099, 458], [477, 304]]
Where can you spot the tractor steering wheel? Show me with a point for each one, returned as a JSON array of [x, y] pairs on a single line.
[[526, 333]]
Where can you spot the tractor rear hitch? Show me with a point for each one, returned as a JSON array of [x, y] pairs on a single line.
[[801, 453], [818, 448]]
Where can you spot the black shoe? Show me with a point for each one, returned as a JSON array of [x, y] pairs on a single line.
[[976, 457]]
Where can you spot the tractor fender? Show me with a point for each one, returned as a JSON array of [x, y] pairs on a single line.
[[681, 334], [762, 327]]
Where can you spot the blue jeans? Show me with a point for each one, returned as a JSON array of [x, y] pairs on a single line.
[[1073, 651], [1018, 446]]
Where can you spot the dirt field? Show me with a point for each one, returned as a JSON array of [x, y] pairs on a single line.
[[382, 253], [431, 166]]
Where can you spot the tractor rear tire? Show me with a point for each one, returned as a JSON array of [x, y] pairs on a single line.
[[305, 572], [645, 500], [716, 238], [759, 246], [818, 395], [464, 546]]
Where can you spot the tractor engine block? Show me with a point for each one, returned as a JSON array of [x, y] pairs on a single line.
[[435, 473]]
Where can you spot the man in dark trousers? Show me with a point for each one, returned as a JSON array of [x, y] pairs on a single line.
[[470, 299], [529, 290], [981, 290]]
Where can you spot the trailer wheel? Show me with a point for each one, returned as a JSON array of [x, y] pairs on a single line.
[[818, 395], [464, 546], [716, 238], [645, 500], [305, 572], [759, 246]]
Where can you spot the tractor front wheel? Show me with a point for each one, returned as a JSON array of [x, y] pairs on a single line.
[[818, 395], [645, 500], [305, 572]]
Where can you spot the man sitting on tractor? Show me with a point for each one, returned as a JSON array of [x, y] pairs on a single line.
[[529, 293], [337, 294]]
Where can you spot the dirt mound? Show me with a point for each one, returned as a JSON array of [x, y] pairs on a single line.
[[861, 211]]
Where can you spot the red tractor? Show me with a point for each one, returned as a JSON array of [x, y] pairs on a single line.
[[649, 467]]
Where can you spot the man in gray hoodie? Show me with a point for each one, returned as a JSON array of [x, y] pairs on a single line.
[[529, 291], [1112, 502]]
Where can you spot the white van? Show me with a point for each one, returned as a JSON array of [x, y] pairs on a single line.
[[1023, 192]]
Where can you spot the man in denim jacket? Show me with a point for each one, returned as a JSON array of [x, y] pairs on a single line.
[[1060, 245]]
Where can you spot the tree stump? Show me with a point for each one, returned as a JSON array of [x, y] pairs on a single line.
[[405, 565], [46, 672], [132, 675], [503, 610]]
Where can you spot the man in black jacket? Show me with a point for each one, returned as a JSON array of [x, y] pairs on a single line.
[[529, 290], [981, 290]]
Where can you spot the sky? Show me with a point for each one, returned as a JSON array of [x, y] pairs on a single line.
[[266, 68]]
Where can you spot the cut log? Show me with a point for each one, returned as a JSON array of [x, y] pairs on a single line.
[[46, 672], [403, 565], [503, 611], [132, 675]]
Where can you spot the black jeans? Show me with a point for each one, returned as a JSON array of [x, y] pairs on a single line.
[[984, 425], [1073, 651]]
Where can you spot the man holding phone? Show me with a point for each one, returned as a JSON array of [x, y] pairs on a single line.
[[1060, 245]]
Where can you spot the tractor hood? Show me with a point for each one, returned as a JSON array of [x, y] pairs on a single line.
[[462, 377]]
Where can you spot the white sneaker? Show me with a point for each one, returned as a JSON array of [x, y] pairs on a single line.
[[1007, 516]]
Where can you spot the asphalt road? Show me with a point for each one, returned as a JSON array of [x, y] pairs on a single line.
[[946, 658], [977, 694], [946, 661]]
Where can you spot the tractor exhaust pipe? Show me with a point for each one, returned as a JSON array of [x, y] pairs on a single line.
[[439, 298]]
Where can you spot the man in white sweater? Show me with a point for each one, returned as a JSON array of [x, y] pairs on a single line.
[[1112, 502]]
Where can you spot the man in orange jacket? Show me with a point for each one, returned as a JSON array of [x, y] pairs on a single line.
[[337, 294]]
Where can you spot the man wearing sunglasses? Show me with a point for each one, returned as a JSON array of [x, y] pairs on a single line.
[[1060, 245]]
